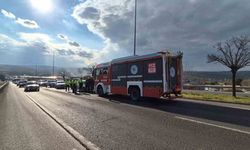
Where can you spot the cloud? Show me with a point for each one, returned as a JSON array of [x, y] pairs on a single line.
[[27, 23], [24, 22], [32, 38], [62, 37], [74, 44], [7, 42], [97, 14], [72, 52], [191, 26], [8, 14], [67, 40]]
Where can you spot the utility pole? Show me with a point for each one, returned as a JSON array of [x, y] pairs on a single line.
[[135, 27], [36, 70], [53, 69]]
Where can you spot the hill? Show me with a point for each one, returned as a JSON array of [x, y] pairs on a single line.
[[39, 70], [197, 77]]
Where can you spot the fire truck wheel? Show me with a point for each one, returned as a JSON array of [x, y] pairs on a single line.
[[100, 91], [135, 93]]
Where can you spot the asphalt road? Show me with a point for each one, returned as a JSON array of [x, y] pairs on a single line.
[[118, 123], [23, 126]]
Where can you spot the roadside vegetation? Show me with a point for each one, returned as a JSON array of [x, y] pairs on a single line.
[[216, 97]]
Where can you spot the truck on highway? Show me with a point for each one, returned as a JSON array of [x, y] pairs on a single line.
[[154, 75]]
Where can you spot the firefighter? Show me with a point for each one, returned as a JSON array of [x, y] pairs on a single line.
[[71, 84], [65, 81], [67, 85], [74, 86], [90, 85], [80, 83]]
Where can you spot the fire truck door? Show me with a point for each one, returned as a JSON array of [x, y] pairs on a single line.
[[171, 69]]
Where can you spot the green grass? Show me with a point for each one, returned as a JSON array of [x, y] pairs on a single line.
[[216, 97]]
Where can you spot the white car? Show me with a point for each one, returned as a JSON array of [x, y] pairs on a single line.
[[31, 86], [60, 85]]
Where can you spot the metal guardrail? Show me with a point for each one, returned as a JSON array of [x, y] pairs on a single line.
[[216, 86], [219, 87]]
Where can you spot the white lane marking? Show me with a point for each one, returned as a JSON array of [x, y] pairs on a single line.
[[86, 143], [214, 125], [3, 85]]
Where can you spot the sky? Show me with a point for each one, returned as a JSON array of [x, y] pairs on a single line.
[[81, 33]]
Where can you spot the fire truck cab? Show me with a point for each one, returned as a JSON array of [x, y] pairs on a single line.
[[154, 75], [101, 76]]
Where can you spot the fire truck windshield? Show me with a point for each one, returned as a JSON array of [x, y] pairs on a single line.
[[100, 71]]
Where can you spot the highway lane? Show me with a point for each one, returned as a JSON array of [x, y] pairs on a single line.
[[23, 126], [117, 123]]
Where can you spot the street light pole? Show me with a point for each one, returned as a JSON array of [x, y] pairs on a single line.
[[36, 70], [53, 69], [135, 28]]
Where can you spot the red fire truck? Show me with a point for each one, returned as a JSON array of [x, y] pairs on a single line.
[[154, 75]]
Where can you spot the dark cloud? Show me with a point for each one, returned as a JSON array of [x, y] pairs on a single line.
[[74, 44], [69, 52], [192, 26], [65, 52], [65, 38], [85, 54], [62, 37], [90, 13], [121, 29], [29, 23]]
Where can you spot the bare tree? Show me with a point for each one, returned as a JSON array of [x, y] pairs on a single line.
[[80, 71], [64, 73], [234, 54], [89, 69]]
